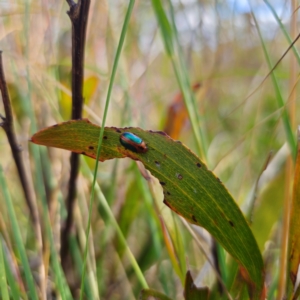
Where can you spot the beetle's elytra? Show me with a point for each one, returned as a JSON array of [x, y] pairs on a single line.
[[132, 142]]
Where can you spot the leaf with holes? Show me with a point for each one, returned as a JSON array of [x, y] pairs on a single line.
[[189, 188]]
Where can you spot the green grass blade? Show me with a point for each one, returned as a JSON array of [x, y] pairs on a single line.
[[111, 82], [222, 262], [273, 286], [112, 222], [60, 279], [177, 239], [285, 116], [75, 252], [153, 219], [14, 288], [3, 279], [282, 27], [166, 30], [169, 33], [18, 239]]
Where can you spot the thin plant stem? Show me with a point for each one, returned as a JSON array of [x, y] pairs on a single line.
[[112, 77], [285, 116], [3, 280], [111, 221]]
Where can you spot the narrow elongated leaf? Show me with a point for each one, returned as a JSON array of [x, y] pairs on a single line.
[[284, 115], [3, 279], [189, 188]]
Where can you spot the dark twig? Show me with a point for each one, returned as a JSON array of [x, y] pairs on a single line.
[[7, 125], [79, 16]]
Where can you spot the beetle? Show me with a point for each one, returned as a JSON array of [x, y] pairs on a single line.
[[132, 142]]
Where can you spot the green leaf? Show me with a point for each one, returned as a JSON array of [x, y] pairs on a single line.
[[191, 292], [128, 213], [3, 279], [189, 188], [12, 282], [165, 27]]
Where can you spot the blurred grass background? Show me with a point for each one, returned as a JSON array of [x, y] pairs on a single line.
[[223, 54]]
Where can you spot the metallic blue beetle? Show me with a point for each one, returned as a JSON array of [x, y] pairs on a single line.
[[132, 142]]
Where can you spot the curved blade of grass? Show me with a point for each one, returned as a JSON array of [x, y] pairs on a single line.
[[100, 134], [282, 27], [171, 251], [14, 288], [178, 242], [18, 238], [75, 252], [3, 281], [190, 189], [113, 222], [293, 148], [285, 116], [169, 33]]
